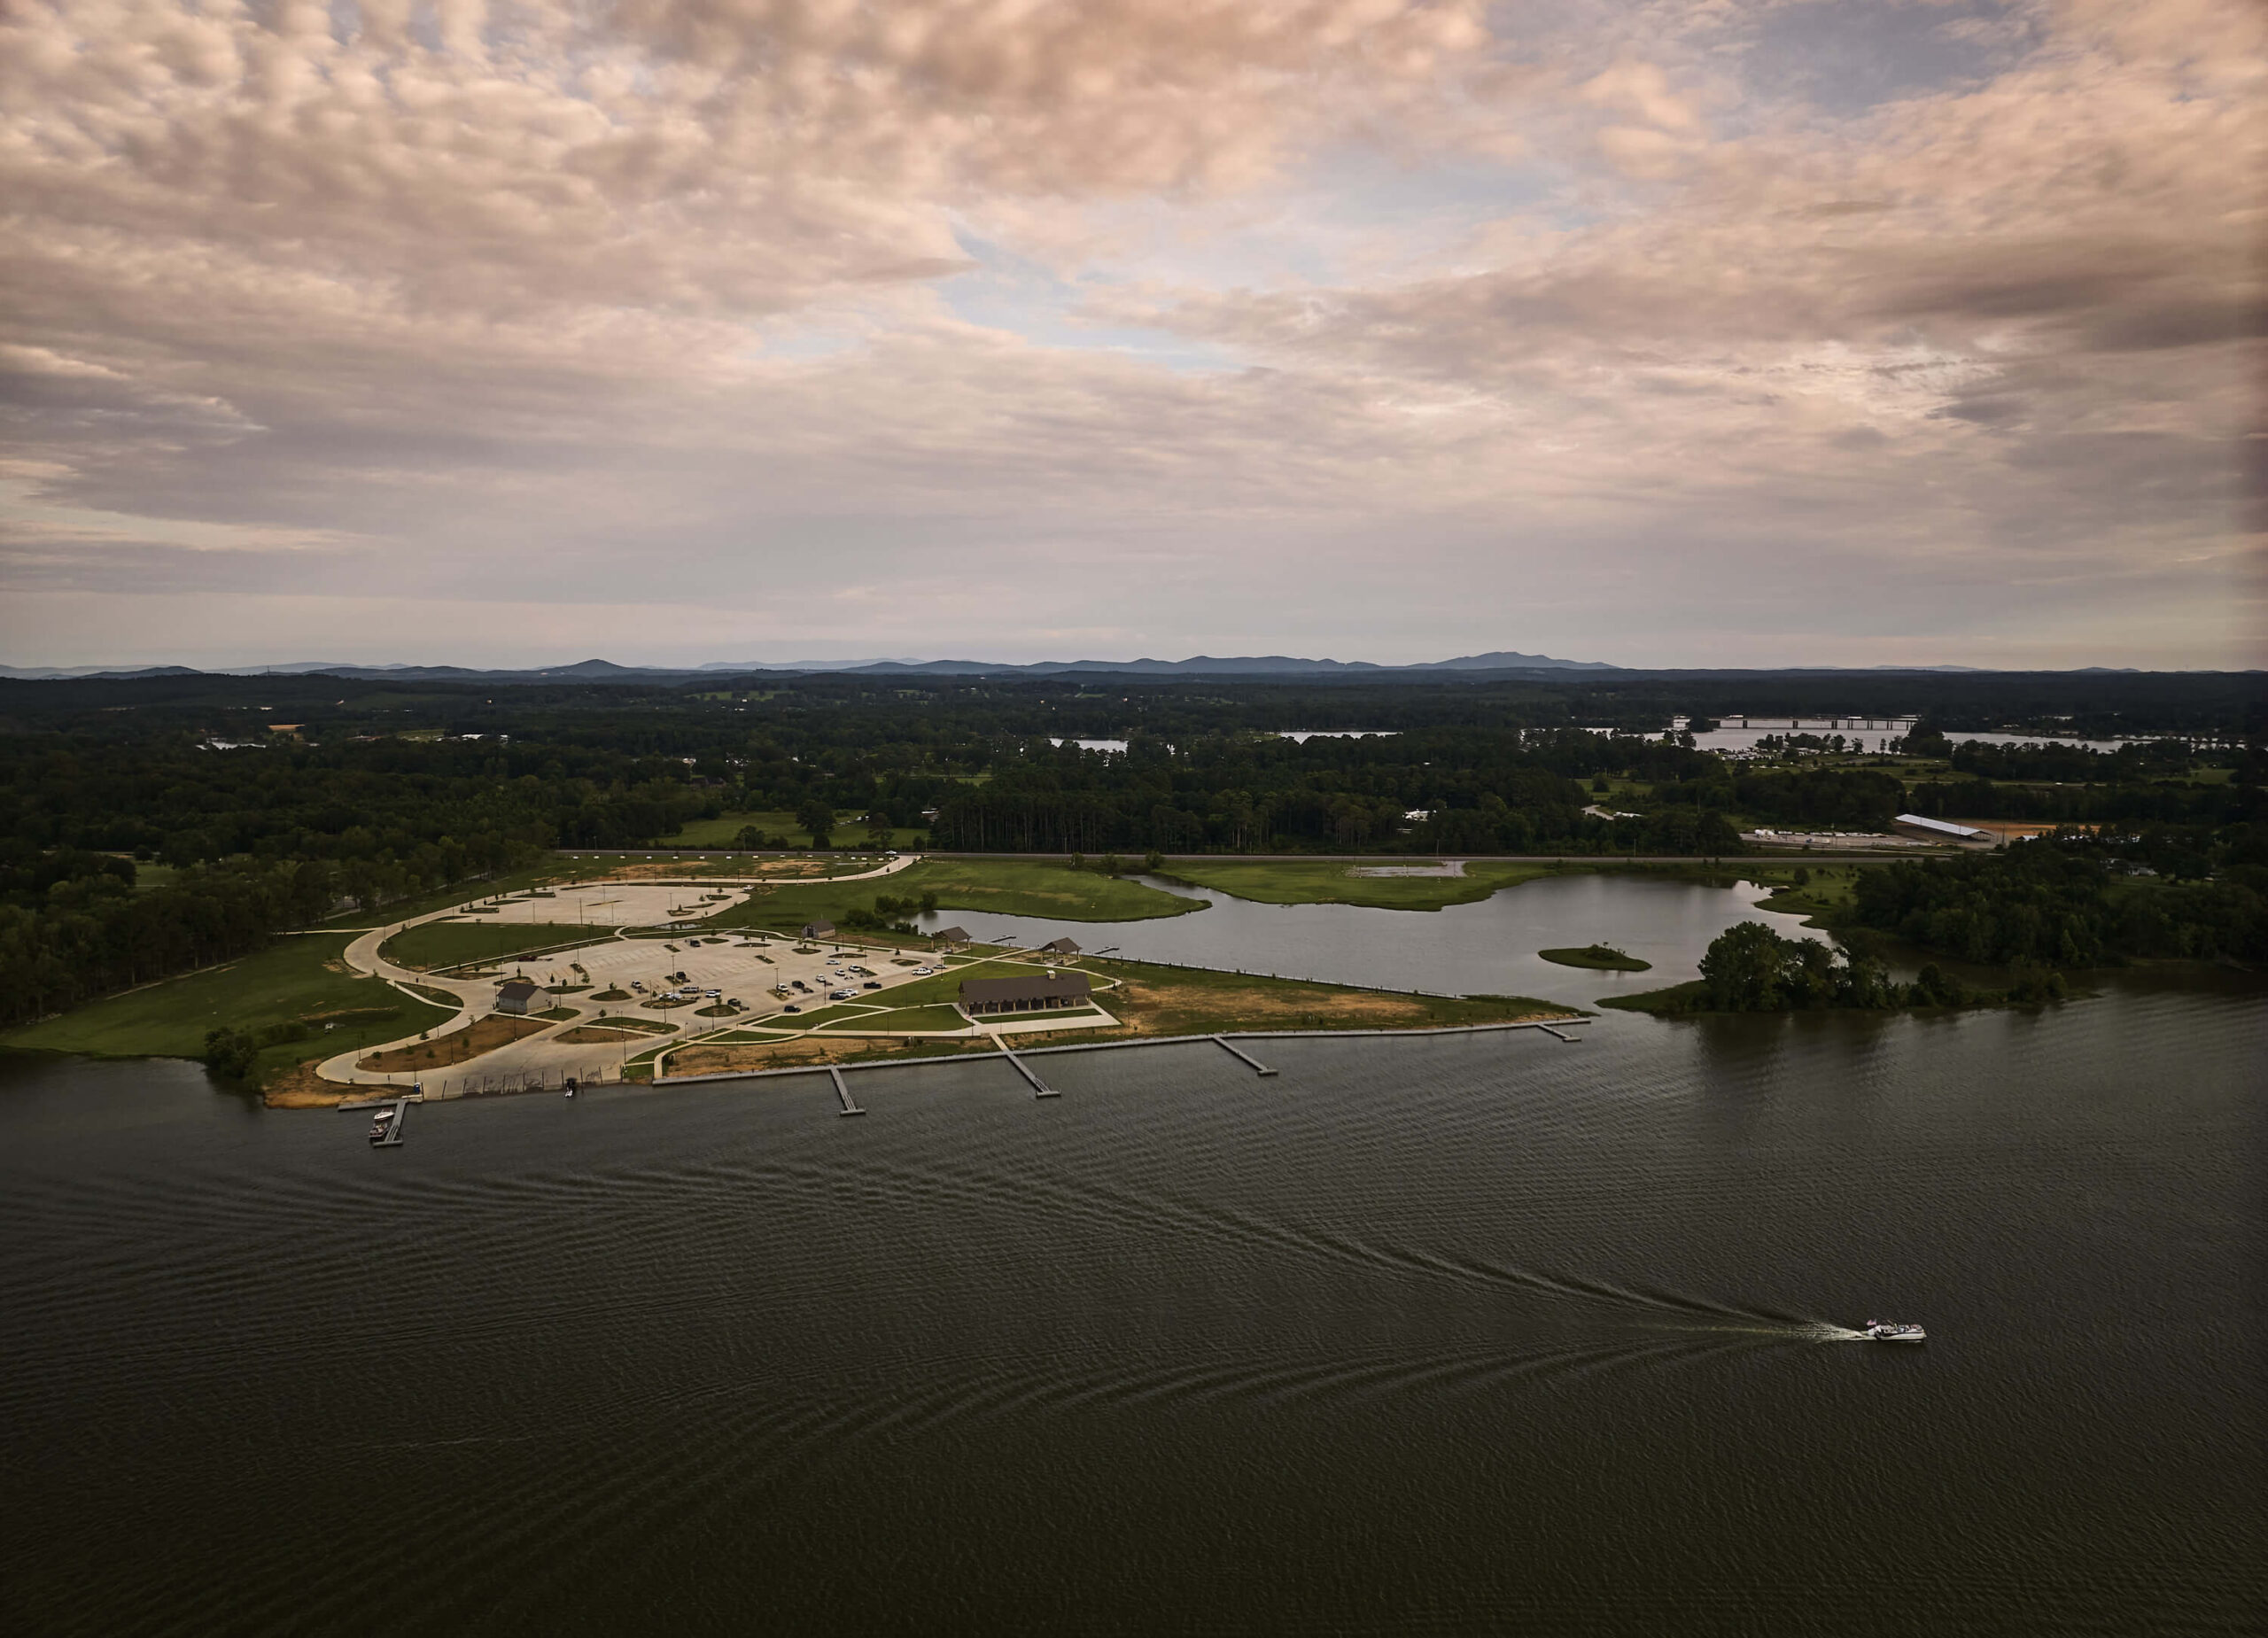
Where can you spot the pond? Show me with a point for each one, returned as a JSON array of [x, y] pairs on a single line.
[[1487, 947]]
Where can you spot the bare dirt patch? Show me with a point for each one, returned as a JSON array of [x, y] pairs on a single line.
[[1171, 1009], [301, 1088], [781, 1055], [485, 1035]]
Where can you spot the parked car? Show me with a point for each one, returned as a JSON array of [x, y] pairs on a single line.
[[872, 985], [842, 995], [791, 1007]]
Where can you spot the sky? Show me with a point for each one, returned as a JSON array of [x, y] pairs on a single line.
[[1664, 332]]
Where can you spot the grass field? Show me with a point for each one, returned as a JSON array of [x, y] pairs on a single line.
[[1173, 1000], [1332, 881], [450, 943], [1010, 887], [1038, 888], [945, 987], [610, 1030], [916, 1018], [295, 979], [1598, 958]]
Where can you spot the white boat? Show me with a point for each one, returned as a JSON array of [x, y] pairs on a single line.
[[1886, 1331]]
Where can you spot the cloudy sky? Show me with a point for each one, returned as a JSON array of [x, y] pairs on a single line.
[[1659, 331]]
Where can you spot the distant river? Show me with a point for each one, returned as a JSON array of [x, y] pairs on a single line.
[[1477, 1333]]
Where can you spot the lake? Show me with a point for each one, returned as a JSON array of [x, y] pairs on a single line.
[[1464, 1333]]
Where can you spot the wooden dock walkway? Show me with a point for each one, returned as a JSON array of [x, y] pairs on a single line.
[[1222, 1043], [843, 1091], [1039, 1088]]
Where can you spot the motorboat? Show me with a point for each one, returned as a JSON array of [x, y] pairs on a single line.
[[1886, 1331]]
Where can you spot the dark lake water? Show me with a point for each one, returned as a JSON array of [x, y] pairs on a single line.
[[1456, 1334]]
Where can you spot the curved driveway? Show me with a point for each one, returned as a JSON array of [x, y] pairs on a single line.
[[474, 996]]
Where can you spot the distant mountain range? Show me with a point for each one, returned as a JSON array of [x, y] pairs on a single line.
[[587, 671], [1498, 662]]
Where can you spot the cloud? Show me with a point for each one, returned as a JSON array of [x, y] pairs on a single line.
[[559, 304]]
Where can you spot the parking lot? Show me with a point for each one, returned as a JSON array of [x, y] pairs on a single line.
[[738, 967]]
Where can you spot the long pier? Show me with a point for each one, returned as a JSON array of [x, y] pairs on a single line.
[[1039, 1088], [1223, 1043], [843, 1091]]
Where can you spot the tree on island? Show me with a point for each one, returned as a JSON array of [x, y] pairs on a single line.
[[1749, 968]]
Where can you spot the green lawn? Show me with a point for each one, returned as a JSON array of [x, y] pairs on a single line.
[[286, 982], [450, 943], [913, 1018], [829, 1015], [631, 1021], [945, 987], [148, 878], [1010, 887], [1037, 887], [1332, 881]]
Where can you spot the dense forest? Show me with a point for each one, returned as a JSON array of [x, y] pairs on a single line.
[[2058, 901], [155, 823]]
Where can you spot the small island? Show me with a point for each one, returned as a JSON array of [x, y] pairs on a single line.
[[1599, 958]]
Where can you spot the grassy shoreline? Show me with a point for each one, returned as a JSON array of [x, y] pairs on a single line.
[[1146, 999]]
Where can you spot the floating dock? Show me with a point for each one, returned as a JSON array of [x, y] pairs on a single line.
[[391, 1138], [843, 1091]]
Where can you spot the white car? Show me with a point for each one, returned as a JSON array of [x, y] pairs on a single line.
[[842, 995]]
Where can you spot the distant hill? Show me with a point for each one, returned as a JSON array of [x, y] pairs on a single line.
[[1505, 660], [1500, 662]]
